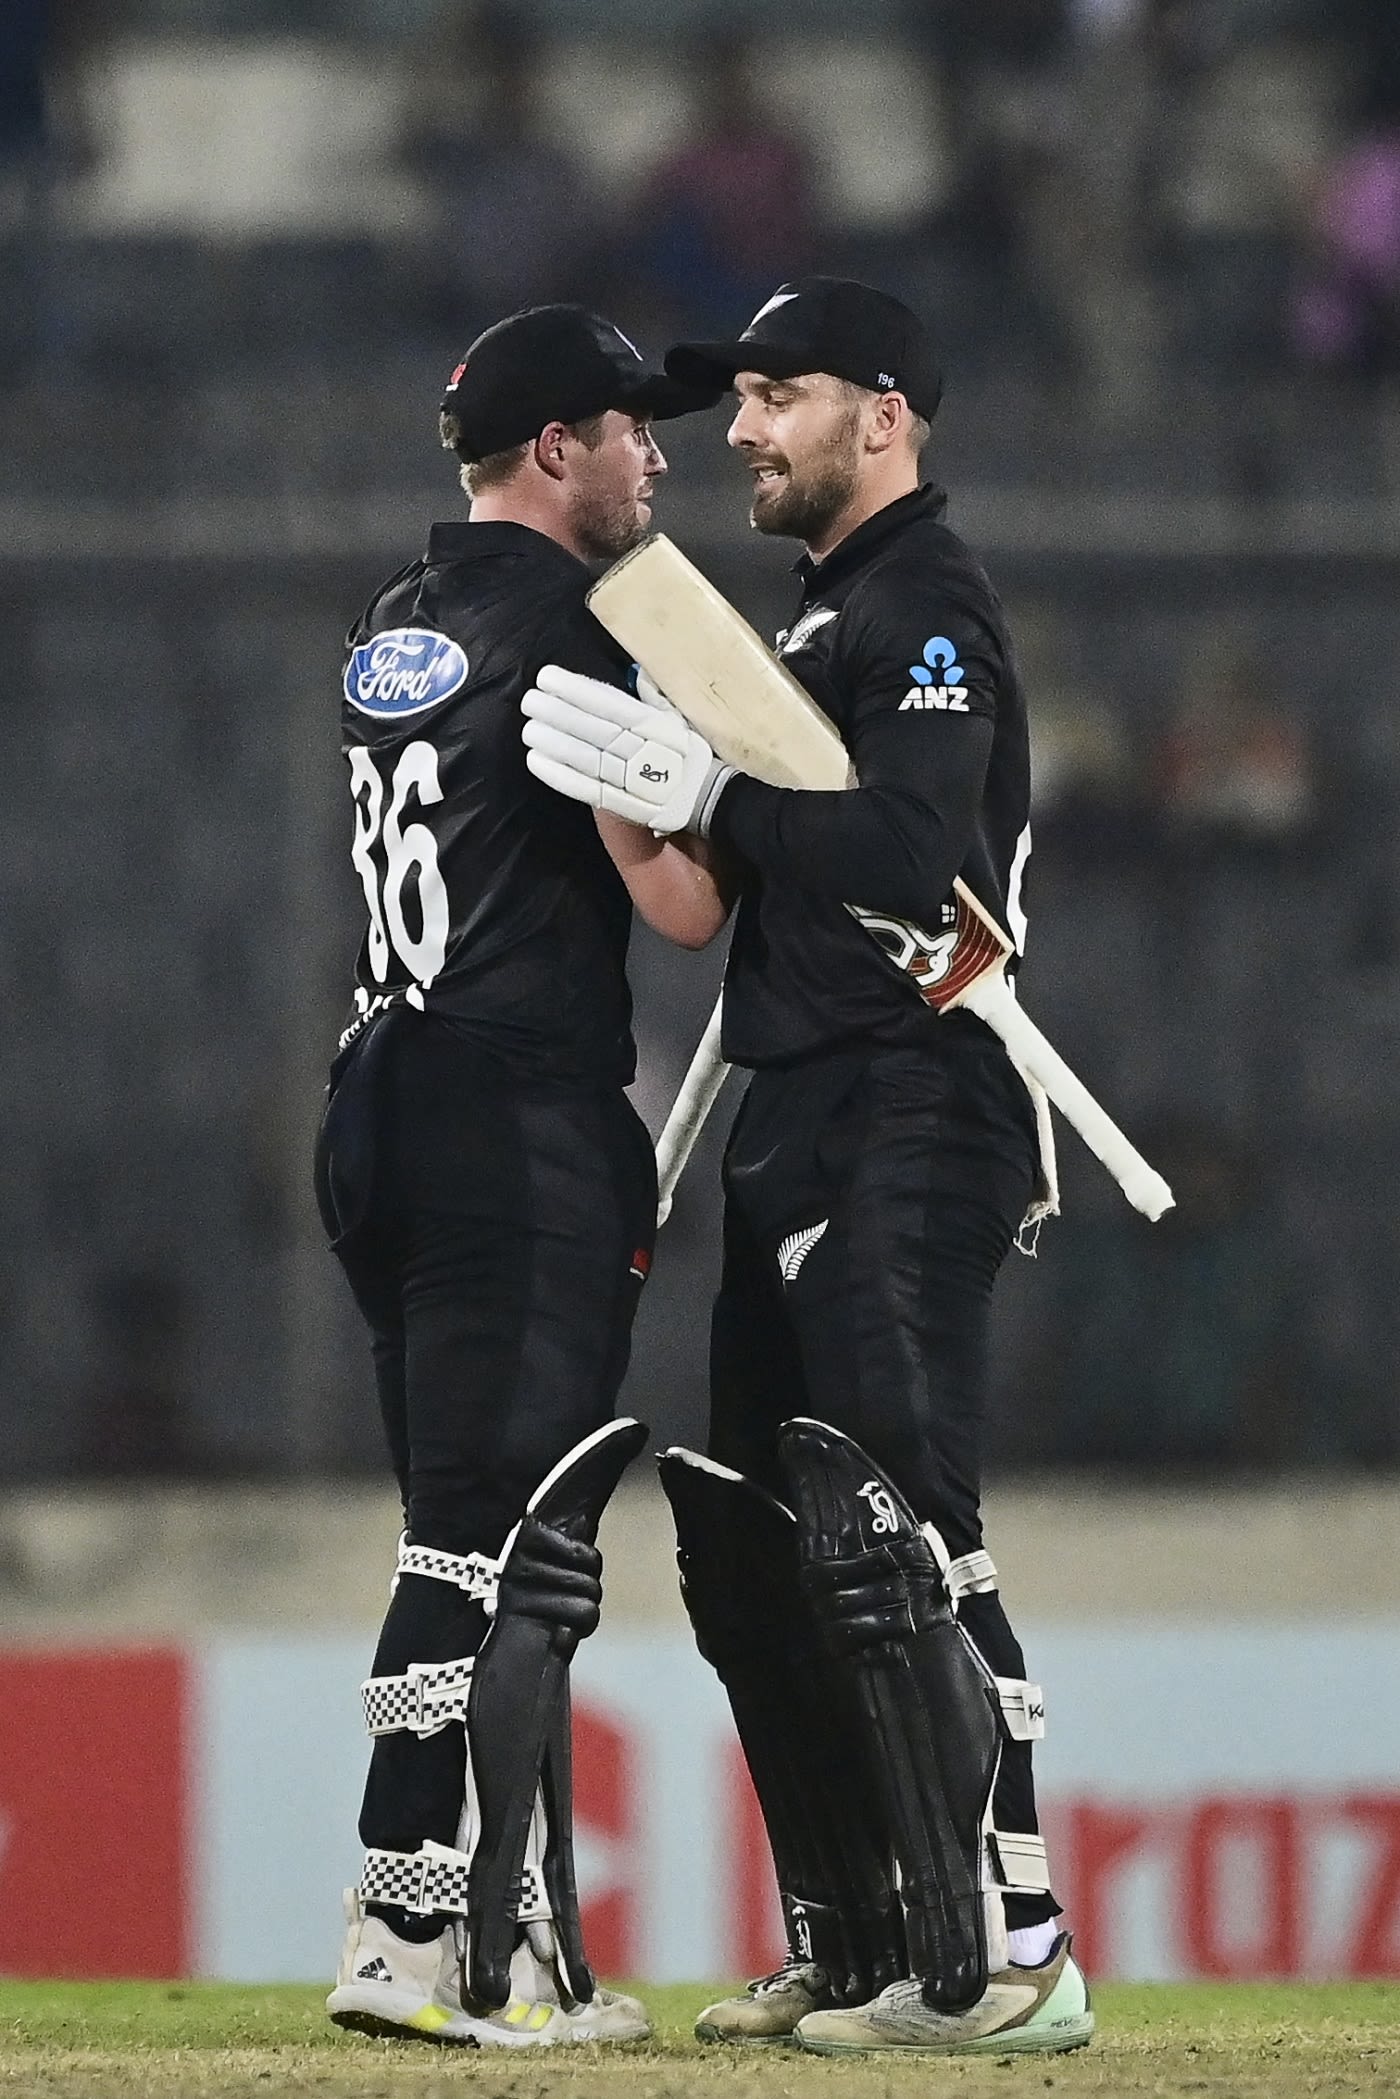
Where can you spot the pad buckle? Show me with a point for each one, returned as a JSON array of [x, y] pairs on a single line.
[[432, 1878], [426, 1698]]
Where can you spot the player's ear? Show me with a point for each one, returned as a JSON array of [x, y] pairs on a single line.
[[550, 450], [889, 415]]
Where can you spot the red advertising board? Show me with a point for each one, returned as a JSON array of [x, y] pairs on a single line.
[[94, 1812], [135, 1838], [1253, 1885], [605, 1805]]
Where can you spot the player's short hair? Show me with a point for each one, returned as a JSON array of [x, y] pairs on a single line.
[[494, 471], [500, 467]]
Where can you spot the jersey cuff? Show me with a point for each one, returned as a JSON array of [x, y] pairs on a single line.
[[737, 814]]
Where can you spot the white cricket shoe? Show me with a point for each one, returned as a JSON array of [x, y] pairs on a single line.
[[1026, 2011], [397, 1988], [392, 1986], [609, 2015]]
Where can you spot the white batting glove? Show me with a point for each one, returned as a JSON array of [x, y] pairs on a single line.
[[639, 758]]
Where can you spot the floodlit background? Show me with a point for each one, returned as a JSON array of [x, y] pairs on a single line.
[[241, 246]]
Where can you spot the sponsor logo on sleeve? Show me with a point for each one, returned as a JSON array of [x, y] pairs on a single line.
[[939, 681], [405, 670]]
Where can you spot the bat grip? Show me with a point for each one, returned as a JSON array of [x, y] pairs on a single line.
[[992, 999], [698, 1093]]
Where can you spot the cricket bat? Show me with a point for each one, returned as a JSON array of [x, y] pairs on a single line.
[[728, 684], [699, 1090]]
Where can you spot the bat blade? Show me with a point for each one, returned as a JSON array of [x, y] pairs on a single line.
[[710, 664], [730, 686]]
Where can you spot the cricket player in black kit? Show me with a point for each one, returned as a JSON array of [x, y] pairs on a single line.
[[489, 1191], [880, 1166]]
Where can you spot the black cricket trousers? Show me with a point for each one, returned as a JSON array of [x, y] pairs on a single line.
[[495, 1234], [871, 1196]]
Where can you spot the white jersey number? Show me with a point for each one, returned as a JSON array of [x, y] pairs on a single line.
[[408, 854]]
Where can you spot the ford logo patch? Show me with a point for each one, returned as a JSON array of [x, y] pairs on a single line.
[[404, 670]]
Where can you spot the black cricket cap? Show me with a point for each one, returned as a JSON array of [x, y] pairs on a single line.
[[555, 364], [825, 324]]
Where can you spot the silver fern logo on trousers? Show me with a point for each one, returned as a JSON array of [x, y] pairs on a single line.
[[793, 1250]]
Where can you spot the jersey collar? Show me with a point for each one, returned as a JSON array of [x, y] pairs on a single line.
[[856, 547], [461, 540]]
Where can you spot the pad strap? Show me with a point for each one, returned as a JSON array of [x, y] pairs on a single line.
[[1018, 1861], [1022, 1708], [424, 1881], [474, 1573], [426, 1698], [434, 1878], [974, 1574]]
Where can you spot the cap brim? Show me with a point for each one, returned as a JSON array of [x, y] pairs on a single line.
[[715, 364], [662, 396]]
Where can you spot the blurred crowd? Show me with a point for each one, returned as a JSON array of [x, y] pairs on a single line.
[[1115, 211], [1095, 187]]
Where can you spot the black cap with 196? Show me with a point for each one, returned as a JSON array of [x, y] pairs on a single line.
[[824, 324]]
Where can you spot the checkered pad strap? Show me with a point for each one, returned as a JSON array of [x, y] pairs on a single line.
[[473, 1572], [1018, 1862], [432, 1878], [424, 1700], [973, 1575], [1022, 1708], [533, 1906]]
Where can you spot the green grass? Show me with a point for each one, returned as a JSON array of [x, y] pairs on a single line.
[[69, 2040]]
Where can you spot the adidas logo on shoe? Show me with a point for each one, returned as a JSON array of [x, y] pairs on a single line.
[[373, 1971]]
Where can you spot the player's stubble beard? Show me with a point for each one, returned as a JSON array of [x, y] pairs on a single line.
[[814, 494], [606, 523]]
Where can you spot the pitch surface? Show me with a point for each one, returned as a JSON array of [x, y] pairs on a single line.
[[211, 2041]]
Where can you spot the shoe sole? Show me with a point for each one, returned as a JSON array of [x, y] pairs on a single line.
[[1020, 2040], [381, 2029]]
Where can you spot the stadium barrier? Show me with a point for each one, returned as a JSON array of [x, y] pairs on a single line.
[[1220, 1802]]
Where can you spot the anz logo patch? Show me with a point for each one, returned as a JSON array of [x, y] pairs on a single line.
[[404, 671], [939, 681]]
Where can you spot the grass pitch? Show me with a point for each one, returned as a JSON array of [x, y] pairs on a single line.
[[225, 2041]]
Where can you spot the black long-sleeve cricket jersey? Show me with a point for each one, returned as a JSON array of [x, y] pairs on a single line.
[[902, 642], [492, 901]]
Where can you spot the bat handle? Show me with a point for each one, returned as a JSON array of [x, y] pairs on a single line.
[[993, 1000], [698, 1093]]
